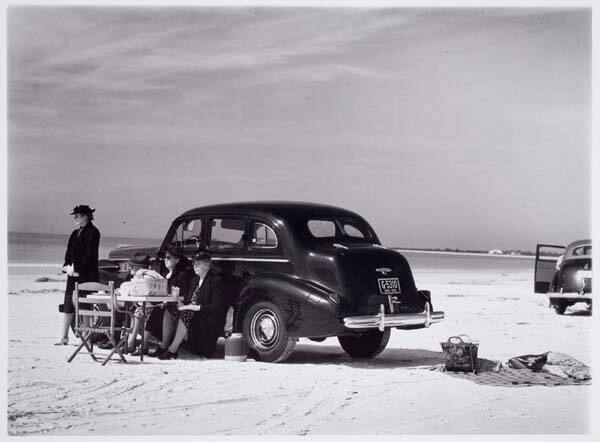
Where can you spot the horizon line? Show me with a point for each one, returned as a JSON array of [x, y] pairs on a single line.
[[407, 249], [67, 234]]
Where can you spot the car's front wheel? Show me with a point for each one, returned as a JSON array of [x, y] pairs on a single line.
[[365, 345], [264, 328]]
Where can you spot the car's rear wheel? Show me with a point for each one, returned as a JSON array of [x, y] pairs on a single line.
[[365, 345], [559, 308], [266, 334]]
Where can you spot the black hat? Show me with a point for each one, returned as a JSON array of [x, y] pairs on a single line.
[[83, 209], [202, 256], [140, 259]]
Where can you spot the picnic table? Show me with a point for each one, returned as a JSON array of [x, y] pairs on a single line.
[[139, 299]]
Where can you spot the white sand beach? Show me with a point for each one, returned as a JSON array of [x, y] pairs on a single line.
[[270, 134], [319, 390]]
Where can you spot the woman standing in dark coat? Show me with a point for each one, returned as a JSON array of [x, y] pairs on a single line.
[[202, 321], [81, 262]]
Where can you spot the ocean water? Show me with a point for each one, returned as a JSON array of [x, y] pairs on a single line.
[[27, 249], [33, 249], [424, 262]]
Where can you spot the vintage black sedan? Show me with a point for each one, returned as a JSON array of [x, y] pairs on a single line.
[[564, 274], [304, 271]]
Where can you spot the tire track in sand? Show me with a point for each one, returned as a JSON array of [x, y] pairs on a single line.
[[324, 397]]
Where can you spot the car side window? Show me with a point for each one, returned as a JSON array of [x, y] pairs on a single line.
[[352, 231], [227, 234], [188, 234], [320, 228], [263, 237]]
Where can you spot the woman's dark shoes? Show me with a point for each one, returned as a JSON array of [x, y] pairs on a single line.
[[156, 353], [167, 355], [63, 341], [138, 352]]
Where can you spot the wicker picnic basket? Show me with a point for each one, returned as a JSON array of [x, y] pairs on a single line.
[[144, 287], [460, 354]]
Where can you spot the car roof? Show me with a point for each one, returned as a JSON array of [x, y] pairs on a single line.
[[270, 209]]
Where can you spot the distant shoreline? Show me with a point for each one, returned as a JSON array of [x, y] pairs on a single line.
[[443, 252], [446, 251], [432, 252], [58, 266]]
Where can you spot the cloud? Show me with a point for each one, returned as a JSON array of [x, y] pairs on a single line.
[[277, 96], [150, 50], [317, 74]]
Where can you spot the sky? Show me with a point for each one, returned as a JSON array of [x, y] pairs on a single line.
[[458, 128]]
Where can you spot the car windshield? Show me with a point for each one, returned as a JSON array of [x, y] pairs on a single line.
[[187, 234]]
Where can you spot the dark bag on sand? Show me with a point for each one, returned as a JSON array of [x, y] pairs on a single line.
[[533, 362], [460, 354]]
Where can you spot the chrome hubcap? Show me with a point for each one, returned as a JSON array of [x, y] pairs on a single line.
[[264, 329]]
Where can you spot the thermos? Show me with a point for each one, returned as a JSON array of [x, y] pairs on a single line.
[[236, 348]]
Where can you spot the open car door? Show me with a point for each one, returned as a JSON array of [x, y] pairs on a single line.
[[546, 256]]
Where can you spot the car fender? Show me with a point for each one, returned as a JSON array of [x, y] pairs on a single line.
[[308, 310]]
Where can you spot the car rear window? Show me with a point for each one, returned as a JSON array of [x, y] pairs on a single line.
[[582, 251], [339, 229]]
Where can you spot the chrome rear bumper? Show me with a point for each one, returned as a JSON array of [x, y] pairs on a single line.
[[383, 321], [570, 296]]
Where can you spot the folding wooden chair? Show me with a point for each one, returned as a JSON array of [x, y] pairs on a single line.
[[89, 321]]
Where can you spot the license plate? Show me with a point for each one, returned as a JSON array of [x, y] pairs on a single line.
[[389, 286]]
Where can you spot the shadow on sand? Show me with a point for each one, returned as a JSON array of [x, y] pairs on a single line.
[[578, 313], [333, 354]]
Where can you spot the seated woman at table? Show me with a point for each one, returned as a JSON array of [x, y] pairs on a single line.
[[163, 320], [204, 317]]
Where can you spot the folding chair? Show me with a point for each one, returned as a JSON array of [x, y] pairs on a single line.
[[89, 321]]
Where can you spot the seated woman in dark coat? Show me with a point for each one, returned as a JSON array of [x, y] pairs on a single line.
[[163, 319], [202, 321]]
